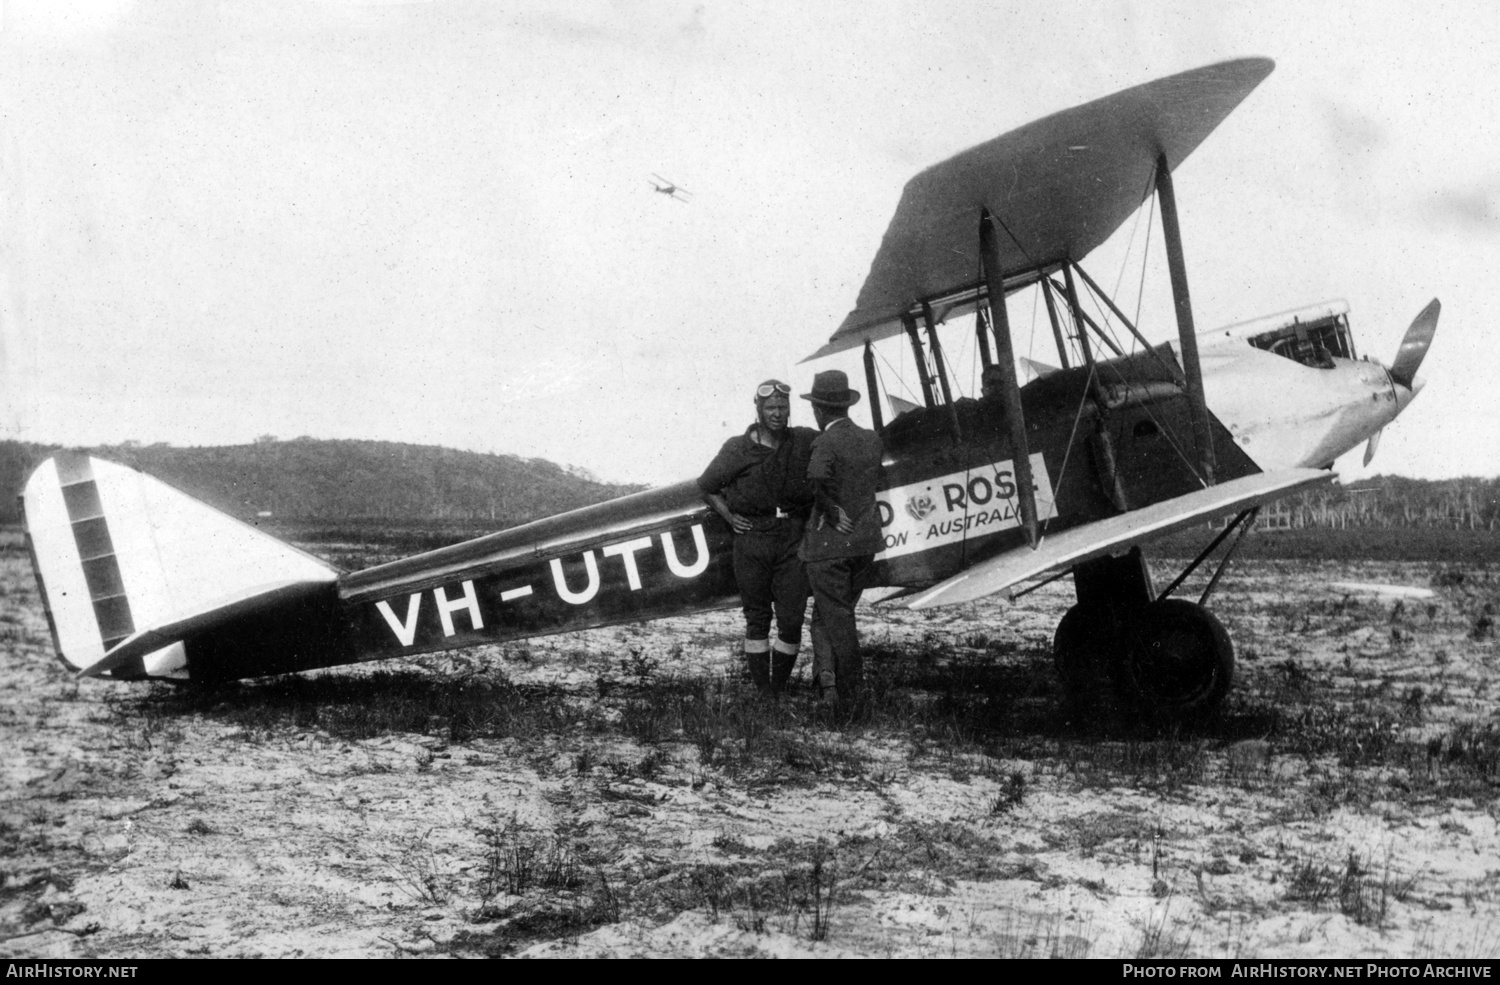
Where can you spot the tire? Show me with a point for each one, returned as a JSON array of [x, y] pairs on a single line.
[[1178, 661], [1083, 653]]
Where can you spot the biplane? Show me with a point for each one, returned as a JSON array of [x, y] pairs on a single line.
[[670, 189], [1073, 472]]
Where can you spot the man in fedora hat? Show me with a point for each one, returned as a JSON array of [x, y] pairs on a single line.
[[843, 533], [758, 483]]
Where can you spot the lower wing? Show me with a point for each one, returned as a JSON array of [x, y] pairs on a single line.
[[1092, 540]]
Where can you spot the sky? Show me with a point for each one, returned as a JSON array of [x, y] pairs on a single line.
[[434, 222]]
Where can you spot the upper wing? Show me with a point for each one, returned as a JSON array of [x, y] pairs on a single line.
[[1092, 540], [1061, 185]]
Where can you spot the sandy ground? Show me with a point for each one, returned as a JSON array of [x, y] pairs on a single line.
[[1362, 822]]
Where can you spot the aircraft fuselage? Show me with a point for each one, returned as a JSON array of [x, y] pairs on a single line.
[[1100, 444], [946, 500]]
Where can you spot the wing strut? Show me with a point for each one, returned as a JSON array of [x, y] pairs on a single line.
[[1010, 389], [942, 370], [1202, 437], [982, 338], [1145, 346], [921, 359], [1057, 332], [1083, 319], [877, 416]]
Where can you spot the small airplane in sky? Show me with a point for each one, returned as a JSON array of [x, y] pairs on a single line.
[[670, 189], [1120, 443]]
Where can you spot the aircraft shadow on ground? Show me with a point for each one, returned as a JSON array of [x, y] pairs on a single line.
[[1002, 701]]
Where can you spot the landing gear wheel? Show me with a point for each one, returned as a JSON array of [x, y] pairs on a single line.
[[1177, 661], [1084, 652]]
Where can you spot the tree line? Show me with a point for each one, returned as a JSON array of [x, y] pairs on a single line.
[[1391, 502], [314, 479]]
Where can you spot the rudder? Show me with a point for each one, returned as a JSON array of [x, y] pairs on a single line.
[[120, 555]]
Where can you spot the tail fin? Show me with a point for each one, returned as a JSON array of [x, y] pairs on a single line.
[[128, 566]]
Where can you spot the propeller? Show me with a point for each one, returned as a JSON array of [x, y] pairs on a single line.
[[1414, 345], [1409, 356]]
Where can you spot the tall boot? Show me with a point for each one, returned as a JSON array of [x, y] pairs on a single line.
[[759, 665], [782, 665]]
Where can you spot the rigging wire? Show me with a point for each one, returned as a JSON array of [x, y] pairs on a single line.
[[899, 374], [1031, 342], [1083, 398], [1024, 252], [1161, 425], [1140, 297], [878, 381], [966, 435], [1106, 328], [1135, 227], [1140, 291], [1106, 325], [949, 367], [971, 353]]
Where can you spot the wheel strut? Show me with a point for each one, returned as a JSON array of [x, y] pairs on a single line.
[[1244, 522], [1169, 658]]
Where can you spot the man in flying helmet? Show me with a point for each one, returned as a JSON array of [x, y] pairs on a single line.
[[758, 483]]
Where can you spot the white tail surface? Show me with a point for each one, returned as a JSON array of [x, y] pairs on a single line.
[[118, 552]]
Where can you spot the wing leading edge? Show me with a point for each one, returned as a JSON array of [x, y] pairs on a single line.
[[1092, 540], [1062, 185]]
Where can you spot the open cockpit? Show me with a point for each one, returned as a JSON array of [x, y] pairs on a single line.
[[1312, 336]]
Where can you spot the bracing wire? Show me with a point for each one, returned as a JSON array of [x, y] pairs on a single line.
[[1083, 397], [1161, 425], [1031, 342], [1140, 298], [966, 436], [1140, 291], [971, 352], [880, 382], [1135, 227], [1106, 327], [898, 373], [950, 368]]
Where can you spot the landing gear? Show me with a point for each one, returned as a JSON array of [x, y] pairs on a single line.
[[1168, 660], [1084, 650], [1177, 662]]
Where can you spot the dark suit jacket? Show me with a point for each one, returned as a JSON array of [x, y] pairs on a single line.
[[844, 467]]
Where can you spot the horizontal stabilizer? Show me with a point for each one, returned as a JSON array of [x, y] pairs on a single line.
[[262, 598], [1117, 533]]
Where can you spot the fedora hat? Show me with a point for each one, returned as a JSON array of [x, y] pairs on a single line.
[[831, 388]]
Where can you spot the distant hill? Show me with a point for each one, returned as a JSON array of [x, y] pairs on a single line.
[[314, 480]]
